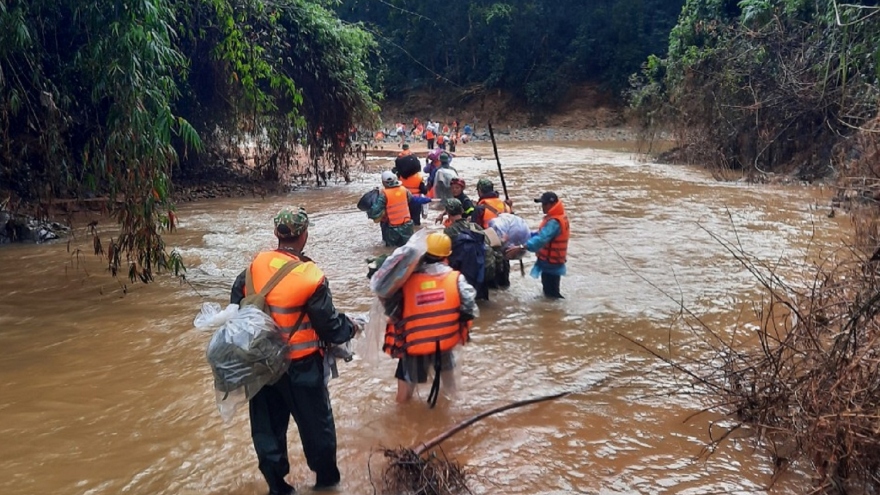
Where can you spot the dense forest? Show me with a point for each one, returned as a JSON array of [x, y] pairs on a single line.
[[532, 48], [766, 85], [106, 99]]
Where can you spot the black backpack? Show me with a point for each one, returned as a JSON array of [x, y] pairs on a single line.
[[407, 166], [368, 200], [469, 256]]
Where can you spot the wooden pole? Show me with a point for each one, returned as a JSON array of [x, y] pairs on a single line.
[[522, 268], [498, 161]]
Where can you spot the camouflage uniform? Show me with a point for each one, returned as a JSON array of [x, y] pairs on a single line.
[[454, 207]]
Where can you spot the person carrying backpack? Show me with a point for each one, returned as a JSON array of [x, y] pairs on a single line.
[[301, 304], [471, 253]]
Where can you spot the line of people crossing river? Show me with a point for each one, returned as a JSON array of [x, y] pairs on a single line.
[[481, 232], [426, 314]]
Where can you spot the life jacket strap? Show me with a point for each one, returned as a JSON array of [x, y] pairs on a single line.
[[435, 385]]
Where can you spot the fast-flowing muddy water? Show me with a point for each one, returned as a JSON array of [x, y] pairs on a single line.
[[106, 392]]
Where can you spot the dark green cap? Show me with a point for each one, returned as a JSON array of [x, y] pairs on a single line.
[[291, 222], [454, 207]]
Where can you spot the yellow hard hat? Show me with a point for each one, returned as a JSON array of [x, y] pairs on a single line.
[[439, 245]]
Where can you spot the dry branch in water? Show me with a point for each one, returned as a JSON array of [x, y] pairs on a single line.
[[420, 471]]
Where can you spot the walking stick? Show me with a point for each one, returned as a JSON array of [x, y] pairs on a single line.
[[522, 268]]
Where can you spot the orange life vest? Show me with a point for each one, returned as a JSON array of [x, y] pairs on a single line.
[[393, 346], [412, 183], [492, 207], [556, 251], [429, 134], [440, 139], [287, 301], [396, 205], [431, 308], [404, 153]]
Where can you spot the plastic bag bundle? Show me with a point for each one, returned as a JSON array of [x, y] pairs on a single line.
[[368, 200], [511, 229], [398, 266], [245, 353], [443, 183]]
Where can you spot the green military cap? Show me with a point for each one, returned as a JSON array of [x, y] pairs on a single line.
[[454, 207], [485, 185], [291, 222]]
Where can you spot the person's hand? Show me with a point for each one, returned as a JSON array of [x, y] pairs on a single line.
[[357, 325], [514, 251], [438, 219]]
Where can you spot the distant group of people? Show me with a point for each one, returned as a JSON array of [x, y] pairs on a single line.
[[445, 136]]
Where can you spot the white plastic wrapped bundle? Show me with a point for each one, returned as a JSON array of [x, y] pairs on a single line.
[[511, 229], [443, 183], [398, 266], [246, 352]]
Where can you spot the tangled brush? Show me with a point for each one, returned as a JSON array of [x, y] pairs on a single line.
[[419, 470]]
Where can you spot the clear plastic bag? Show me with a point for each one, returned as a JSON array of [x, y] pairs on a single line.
[[511, 229], [245, 353], [443, 183], [370, 345], [212, 315], [398, 266]]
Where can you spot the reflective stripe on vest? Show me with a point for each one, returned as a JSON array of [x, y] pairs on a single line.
[[396, 205], [412, 183], [287, 301], [430, 313], [492, 208], [556, 251]]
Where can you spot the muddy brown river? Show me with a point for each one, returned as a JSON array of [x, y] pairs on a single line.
[[106, 391]]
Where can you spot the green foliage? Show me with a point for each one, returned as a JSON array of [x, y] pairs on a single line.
[[86, 108], [759, 84], [273, 76], [533, 48], [102, 98]]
